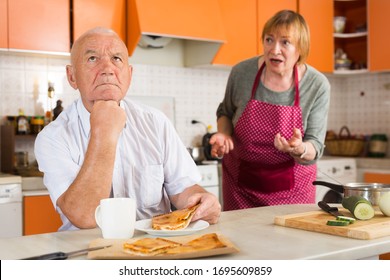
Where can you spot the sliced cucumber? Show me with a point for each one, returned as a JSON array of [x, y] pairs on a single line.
[[337, 223], [345, 218], [360, 207]]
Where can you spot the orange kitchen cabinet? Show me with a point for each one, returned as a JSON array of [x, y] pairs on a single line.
[[39, 215], [319, 16], [39, 25], [240, 22], [384, 178], [3, 24], [195, 20], [369, 48], [88, 14], [371, 177], [378, 42], [265, 10]]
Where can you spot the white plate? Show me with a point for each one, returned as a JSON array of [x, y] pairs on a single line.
[[146, 226]]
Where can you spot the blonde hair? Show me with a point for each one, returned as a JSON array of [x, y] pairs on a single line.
[[294, 24]]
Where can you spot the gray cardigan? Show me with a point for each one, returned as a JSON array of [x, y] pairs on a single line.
[[314, 92]]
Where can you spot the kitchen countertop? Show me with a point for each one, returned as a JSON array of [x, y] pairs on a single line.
[[33, 186], [251, 230], [373, 163], [365, 162], [35, 192]]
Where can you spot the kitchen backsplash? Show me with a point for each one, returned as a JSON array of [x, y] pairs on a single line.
[[361, 101]]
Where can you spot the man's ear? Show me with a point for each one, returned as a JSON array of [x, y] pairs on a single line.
[[71, 77]]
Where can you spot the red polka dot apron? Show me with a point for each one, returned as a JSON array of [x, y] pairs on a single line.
[[255, 173]]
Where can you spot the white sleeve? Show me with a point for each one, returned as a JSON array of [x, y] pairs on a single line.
[[56, 158]]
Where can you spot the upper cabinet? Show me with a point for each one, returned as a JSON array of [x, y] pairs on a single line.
[[240, 22], [3, 24], [196, 23], [362, 45], [206, 32], [319, 17], [88, 14], [38, 25], [350, 36], [378, 40]]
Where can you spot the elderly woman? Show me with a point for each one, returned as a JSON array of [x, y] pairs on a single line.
[[272, 120]]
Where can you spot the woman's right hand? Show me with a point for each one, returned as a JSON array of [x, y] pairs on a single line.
[[221, 144]]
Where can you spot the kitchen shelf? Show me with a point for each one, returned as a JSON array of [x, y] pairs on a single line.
[[350, 72], [354, 42], [350, 35]]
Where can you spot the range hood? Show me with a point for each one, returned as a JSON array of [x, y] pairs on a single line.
[[153, 23]]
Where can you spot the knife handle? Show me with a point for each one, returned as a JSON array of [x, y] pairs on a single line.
[[324, 206], [51, 256]]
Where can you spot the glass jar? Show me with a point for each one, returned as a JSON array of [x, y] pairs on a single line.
[[37, 124], [21, 159], [377, 146]]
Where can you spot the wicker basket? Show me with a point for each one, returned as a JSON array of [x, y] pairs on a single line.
[[344, 145]]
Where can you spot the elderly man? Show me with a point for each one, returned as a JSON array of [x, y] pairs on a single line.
[[103, 145]]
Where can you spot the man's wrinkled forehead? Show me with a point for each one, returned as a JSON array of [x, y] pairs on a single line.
[[96, 42]]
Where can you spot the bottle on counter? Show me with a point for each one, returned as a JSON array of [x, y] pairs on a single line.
[[50, 96], [22, 123], [377, 146], [58, 109], [37, 124]]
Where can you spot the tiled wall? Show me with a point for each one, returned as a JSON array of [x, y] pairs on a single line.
[[362, 102]]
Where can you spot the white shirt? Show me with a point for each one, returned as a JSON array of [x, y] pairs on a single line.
[[151, 161]]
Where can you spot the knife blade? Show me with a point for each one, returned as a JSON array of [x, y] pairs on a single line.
[[331, 210], [64, 256]]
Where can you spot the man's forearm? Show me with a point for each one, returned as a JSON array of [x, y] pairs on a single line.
[[92, 184]]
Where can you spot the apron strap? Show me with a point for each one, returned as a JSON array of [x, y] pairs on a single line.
[[257, 80], [296, 83]]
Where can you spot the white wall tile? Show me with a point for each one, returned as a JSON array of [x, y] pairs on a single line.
[[197, 93]]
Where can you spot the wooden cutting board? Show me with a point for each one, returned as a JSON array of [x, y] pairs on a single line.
[[116, 251], [379, 226]]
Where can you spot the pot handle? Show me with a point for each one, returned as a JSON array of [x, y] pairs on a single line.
[[335, 187]]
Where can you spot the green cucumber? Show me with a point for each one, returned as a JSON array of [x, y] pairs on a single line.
[[360, 207], [337, 223], [347, 219]]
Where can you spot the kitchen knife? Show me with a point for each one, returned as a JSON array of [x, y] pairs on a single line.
[[64, 256], [331, 210]]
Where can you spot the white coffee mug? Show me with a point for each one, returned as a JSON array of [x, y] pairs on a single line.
[[116, 217]]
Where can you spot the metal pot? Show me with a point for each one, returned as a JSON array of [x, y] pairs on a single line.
[[197, 153], [370, 191]]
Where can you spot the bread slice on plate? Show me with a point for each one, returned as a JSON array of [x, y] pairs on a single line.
[[175, 220]]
